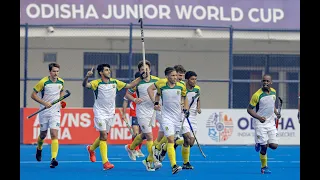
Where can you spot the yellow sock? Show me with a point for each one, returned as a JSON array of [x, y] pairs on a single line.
[[179, 142], [171, 154], [54, 148], [137, 140], [263, 159], [155, 142], [163, 140], [185, 151], [165, 146], [149, 148], [104, 151], [95, 144], [39, 143]]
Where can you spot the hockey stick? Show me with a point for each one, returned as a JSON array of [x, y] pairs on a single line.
[[143, 48], [279, 111], [127, 123], [54, 102], [196, 139]]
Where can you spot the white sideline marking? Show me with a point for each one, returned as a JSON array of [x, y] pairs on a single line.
[[35, 162]]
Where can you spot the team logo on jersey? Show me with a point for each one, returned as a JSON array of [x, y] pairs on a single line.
[[178, 92], [113, 86], [219, 127], [100, 124], [274, 97], [258, 137]]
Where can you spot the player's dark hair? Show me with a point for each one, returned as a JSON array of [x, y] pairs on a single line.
[[51, 65], [168, 70], [140, 64], [267, 75], [101, 67], [180, 69], [189, 74]]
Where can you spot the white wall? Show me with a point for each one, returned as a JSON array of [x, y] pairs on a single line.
[[209, 57]]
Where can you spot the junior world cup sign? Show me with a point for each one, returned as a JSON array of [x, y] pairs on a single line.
[[245, 14]]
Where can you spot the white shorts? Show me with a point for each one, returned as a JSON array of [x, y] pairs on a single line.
[[265, 135], [193, 122], [104, 124], [52, 122], [159, 118], [173, 128], [145, 125]]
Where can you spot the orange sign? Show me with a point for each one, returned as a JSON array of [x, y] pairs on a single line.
[[77, 127]]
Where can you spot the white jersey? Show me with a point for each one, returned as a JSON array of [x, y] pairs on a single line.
[[264, 105], [105, 97], [49, 91], [144, 109], [190, 94], [171, 100]]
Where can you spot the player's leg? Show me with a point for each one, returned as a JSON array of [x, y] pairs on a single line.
[[54, 125], [44, 123], [104, 126], [147, 132], [194, 127], [185, 149], [261, 138], [91, 148], [136, 131], [169, 129], [130, 148]]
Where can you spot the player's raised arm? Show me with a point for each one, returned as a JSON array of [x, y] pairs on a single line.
[[85, 82]]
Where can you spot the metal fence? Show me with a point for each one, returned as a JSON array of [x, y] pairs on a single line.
[[229, 62]]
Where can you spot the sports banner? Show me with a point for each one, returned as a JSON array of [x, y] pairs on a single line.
[[77, 127], [275, 14], [235, 127]]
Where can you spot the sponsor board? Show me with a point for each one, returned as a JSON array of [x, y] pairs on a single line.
[[77, 127], [235, 127]]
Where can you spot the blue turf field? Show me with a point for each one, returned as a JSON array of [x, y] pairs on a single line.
[[222, 162]]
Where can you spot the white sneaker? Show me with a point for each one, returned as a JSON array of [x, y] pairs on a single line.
[[131, 153], [161, 158], [148, 165], [157, 165], [139, 153], [155, 153]]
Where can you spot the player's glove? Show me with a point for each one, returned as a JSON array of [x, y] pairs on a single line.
[[63, 104], [278, 115], [141, 75], [186, 113]]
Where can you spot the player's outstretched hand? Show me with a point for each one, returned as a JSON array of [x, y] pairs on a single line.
[[90, 73]]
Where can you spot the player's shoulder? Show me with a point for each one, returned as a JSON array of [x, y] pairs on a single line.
[[60, 80], [97, 81], [44, 79], [161, 82], [197, 87], [258, 92], [154, 77], [180, 84], [273, 90]]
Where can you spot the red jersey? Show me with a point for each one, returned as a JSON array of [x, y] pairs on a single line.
[[132, 106]]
